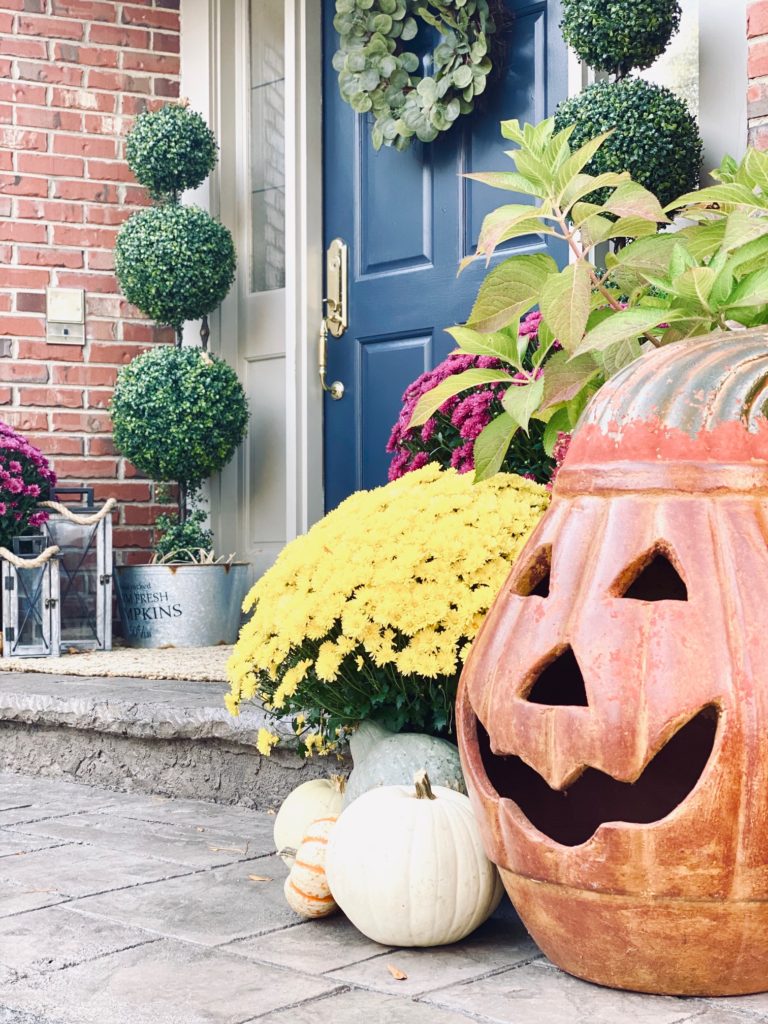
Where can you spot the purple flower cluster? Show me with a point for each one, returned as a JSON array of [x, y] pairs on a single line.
[[25, 478], [449, 436]]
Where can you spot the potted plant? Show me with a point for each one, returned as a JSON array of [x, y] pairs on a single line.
[[178, 413]]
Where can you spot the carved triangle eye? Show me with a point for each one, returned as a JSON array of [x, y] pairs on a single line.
[[533, 579], [561, 683], [654, 578]]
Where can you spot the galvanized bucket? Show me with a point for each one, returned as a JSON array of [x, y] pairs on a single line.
[[182, 605]]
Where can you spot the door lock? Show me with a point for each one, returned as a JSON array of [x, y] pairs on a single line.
[[335, 321]]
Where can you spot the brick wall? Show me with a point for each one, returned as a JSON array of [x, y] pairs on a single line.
[[757, 96], [72, 75]]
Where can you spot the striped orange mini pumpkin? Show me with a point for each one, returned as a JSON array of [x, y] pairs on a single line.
[[306, 887]]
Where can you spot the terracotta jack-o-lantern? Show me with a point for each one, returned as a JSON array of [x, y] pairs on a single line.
[[613, 712]]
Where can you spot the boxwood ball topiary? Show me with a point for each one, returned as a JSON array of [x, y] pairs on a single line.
[[654, 137], [174, 263], [178, 413], [618, 35], [170, 150]]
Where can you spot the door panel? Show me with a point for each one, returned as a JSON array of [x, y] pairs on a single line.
[[409, 218]]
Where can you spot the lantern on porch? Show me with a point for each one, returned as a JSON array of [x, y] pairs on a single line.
[[613, 712], [30, 581], [83, 535]]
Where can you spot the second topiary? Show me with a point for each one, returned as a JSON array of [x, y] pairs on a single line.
[[618, 35], [653, 135]]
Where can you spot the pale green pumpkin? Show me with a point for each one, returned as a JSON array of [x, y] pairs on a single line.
[[383, 758]]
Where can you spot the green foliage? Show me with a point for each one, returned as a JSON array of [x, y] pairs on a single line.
[[618, 35], [178, 413], [659, 289], [170, 150], [174, 263], [653, 135], [378, 74], [181, 541]]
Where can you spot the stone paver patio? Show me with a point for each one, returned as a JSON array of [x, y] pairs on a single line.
[[133, 909]]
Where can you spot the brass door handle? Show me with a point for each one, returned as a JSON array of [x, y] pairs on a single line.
[[336, 389]]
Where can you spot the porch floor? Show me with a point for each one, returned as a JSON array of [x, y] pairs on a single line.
[[132, 909]]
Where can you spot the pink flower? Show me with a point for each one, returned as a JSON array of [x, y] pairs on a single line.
[[37, 518], [14, 485], [14, 466], [33, 490]]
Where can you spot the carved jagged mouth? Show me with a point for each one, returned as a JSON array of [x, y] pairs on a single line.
[[572, 816]]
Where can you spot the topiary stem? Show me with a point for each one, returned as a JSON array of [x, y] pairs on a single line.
[[182, 501], [179, 335]]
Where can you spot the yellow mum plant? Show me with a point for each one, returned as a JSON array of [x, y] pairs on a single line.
[[371, 613]]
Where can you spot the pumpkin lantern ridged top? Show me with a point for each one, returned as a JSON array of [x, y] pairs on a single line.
[[613, 711]]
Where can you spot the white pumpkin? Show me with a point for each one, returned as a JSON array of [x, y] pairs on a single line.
[[318, 798], [407, 866], [306, 887]]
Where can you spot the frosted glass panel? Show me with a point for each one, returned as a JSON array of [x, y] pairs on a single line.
[[678, 66], [267, 145]]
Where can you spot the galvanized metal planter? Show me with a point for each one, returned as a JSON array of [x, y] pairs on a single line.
[[182, 604]]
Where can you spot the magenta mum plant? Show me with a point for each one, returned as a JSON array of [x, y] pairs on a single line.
[[25, 479], [448, 437]]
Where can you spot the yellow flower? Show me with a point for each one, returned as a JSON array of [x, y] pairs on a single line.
[[231, 703], [265, 741], [399, 578]]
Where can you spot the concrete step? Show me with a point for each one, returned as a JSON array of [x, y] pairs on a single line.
[[163, 737]]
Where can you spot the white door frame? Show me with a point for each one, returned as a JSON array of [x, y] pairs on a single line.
[[215, 79]]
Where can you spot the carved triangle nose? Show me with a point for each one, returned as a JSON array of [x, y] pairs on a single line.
[[561, 683]]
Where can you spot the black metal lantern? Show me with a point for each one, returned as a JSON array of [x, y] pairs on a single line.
[[83, 534], [30, 582]]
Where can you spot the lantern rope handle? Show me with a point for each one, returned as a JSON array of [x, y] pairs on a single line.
[[29, 563], [73, 517]]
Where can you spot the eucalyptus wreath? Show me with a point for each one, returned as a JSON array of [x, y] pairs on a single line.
[[378, 74]]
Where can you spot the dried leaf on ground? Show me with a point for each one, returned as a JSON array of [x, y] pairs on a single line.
[[396, 973], [259, 878]]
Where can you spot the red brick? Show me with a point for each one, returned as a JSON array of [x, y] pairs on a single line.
[[58, 166], [6, 160], [90, 191], [51, 28], [6, 206], [122, 491], [42, 350], [135, 195], [101, 330], [90, 376], [101, 446], [99, 259], [30, 302], [22, 326], [86, 56], [57, 444], [22, 92], [131, 537], [86, 469], [90, 282], [25, 419], [6, 67], [6, 302], [168, 43], [23, 277], [21, 138], [67, 234], [103, 305], [88, 422], [22, 185], [166, 87], [104, 124], [119, 35], [37, 209], [6, 22], [23, 231], [51, 258], [143, 515], [85, 10], [98, 399], [6, 113], [115, 81], [155, 63], [757, 19], [117, 355], [37, 117], [84, 99], [130, 472], [757, 63], [6, 395], [150, 16], [109, 170], [69, 398], [12, 46], [30, 373], [52, 74]]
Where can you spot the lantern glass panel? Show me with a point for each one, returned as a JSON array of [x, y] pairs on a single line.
[[80, 590], [30, 602]]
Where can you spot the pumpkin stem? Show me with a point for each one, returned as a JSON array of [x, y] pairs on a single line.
[[423, 786], [339, 783]]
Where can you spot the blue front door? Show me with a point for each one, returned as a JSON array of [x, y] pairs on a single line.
[[408, 219]]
